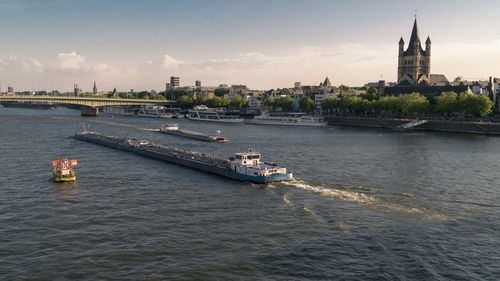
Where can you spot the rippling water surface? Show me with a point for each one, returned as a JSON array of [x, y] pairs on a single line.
[[366, 205]]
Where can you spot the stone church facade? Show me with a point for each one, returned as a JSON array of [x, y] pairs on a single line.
[[414, 65]]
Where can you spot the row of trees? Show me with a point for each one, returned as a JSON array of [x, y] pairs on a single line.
[[187, 102], [446, 104], [286, 103]]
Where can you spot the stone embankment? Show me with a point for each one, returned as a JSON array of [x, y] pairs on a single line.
[[490, 128]]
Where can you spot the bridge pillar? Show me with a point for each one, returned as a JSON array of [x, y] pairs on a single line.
[[89, 111]]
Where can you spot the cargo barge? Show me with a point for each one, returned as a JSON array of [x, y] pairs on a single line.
[[173, 129], [244, 166]]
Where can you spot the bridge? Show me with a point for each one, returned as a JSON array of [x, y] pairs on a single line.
[[89, 106]]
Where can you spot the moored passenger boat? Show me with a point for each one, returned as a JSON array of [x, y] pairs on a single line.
[[154, 111], [203, 113], [288, 119]]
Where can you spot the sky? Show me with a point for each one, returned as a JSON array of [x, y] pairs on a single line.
[[264, 44]]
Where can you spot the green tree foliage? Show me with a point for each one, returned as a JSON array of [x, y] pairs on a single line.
[[306, 103], [329, 104], [217, 102], [344, 88], [446, 103], [458, 79], [238, 102], [184, 102], [413, 103], [475, 105], [286, 103], [174, 94], [143, 95], [270, 102], [87, 95], [371, 94], [220, 92], [465, 103]]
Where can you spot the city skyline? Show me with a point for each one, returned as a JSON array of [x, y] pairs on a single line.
[[263, 44]]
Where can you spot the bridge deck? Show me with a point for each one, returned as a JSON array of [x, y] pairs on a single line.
[[91, 102]]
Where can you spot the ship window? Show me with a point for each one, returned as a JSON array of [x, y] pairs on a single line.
[[238, 156]]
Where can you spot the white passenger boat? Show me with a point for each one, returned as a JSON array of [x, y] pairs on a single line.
[[203, 113], [289, 119], [154, 111]]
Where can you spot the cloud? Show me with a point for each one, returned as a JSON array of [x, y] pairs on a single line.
[[18, 65], [350, 63], [70, 60], [75, 62], [170, 62]]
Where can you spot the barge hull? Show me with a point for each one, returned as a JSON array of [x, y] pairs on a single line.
[[191, 163], [190, 134]]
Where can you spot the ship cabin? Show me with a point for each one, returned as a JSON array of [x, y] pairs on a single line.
[[248, 163], [248, 158]]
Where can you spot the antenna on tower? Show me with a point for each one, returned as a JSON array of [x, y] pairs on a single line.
[[416, 13]]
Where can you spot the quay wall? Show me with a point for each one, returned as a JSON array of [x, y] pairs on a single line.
[[490, 128]]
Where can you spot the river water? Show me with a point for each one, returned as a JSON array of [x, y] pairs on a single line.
[[366, 204]]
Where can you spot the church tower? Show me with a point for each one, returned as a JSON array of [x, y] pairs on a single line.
[[94, 90], [414, 65]]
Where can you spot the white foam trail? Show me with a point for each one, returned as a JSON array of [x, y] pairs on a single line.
[[313, 215], [348, 196], [286, 200], [363, 199]]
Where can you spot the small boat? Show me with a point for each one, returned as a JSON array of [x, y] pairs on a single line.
[[169, 127], [63, 170]]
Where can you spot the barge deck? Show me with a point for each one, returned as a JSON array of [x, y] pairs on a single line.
[[197, 160]]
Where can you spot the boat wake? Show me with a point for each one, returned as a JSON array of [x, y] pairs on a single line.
[[287, 200], [343, 195], [398, 203]]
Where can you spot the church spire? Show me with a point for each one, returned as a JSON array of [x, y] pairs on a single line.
[[415, 37], [414, 46]]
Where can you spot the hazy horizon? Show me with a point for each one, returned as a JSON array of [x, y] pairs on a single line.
[[54, 44]]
